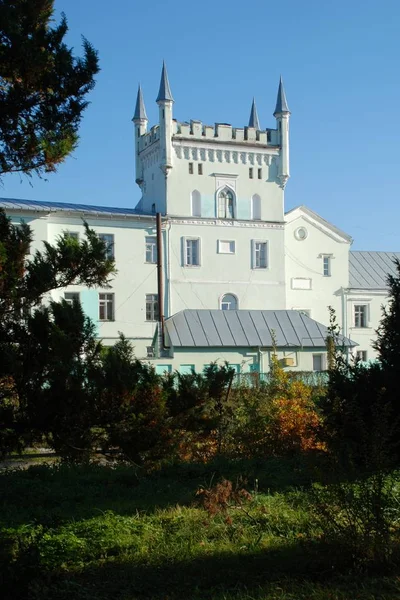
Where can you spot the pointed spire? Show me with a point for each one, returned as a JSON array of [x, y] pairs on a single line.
[[140, 111], [281, 104], [253, 121], [164, 93]]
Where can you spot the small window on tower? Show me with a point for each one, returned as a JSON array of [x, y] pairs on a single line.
[[259, 173], [200, 169], [251, 172], [190, 168]]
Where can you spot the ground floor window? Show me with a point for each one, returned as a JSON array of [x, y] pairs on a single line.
[[362, 355], [185, 369], [162, 369], [317, 362]]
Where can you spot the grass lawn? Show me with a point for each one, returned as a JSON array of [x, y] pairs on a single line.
[[104, 533]]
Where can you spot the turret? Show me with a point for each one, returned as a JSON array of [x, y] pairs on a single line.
[[165, 102], [282, 114], [140, 121], [254, 121]]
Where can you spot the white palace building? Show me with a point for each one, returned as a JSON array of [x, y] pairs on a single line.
[[236, 269]]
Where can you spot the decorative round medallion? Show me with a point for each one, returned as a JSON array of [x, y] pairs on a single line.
[[301, 234]]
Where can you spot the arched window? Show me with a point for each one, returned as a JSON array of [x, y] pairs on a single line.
[[229, 302], [226, 209], [196, 203], [256, 208]]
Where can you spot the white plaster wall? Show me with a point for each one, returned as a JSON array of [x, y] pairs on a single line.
[[303, 259], [364, 337], [219, 274], [180, 183]]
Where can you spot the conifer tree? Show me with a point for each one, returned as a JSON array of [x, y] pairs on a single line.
[[388, 333], [44, 346], [43, 88]]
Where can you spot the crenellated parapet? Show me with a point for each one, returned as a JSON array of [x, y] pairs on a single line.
[[224, 133], [148, 139]]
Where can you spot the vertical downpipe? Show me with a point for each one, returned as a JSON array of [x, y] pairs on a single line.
[[160, 289]]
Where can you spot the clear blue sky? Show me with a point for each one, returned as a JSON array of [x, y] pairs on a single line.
[[340, 63]]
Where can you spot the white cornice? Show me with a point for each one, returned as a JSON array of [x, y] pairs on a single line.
[[228, 223]]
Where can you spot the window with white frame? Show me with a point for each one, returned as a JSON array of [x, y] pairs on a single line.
[[152, 307], [318, 362], [108, 239], [260, 254], [360, 315], [226, 246], [326, 261], [192, 252], [226, 204], [74, 235], [71, 297], [362, 355], [229, 302], [196, 203], [106, 307], [256, 207], [151, 250]]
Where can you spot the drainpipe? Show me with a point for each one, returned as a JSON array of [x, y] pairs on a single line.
[[160, 286]]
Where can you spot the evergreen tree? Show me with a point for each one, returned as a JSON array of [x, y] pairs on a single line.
[[388, 333], [43, 88], [43, 344]]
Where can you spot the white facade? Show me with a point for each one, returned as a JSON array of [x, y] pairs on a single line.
[[227, 242]]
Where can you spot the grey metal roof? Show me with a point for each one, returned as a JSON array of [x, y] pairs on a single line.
[[369, 270], [246, 328], [254, 121], [33, 205], [164, 93], [140, 111], [281, 103]]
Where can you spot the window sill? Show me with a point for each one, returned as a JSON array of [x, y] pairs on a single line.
[[106, 320], [192, 266]]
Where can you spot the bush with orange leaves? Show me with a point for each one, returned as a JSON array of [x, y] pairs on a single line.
[[276, 418]]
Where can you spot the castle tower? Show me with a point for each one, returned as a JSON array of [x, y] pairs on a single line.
[[254, 121], [140, 121], [282, 115], [165, 102]]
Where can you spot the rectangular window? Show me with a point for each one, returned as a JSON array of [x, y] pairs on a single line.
[[106, 307], [226, 246], [360, 315], [260, 259], [71, 297], [73, 234], [163, 369], [185, 369], [152, 307], [108, 239], [317, 362], [327, 266], [192, 252], [190, 168], [361, 355], [259, 173], [151, 250], [200, 169], [251, 172]]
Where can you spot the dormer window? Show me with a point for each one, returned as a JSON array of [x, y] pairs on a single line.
[[226, 204]]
